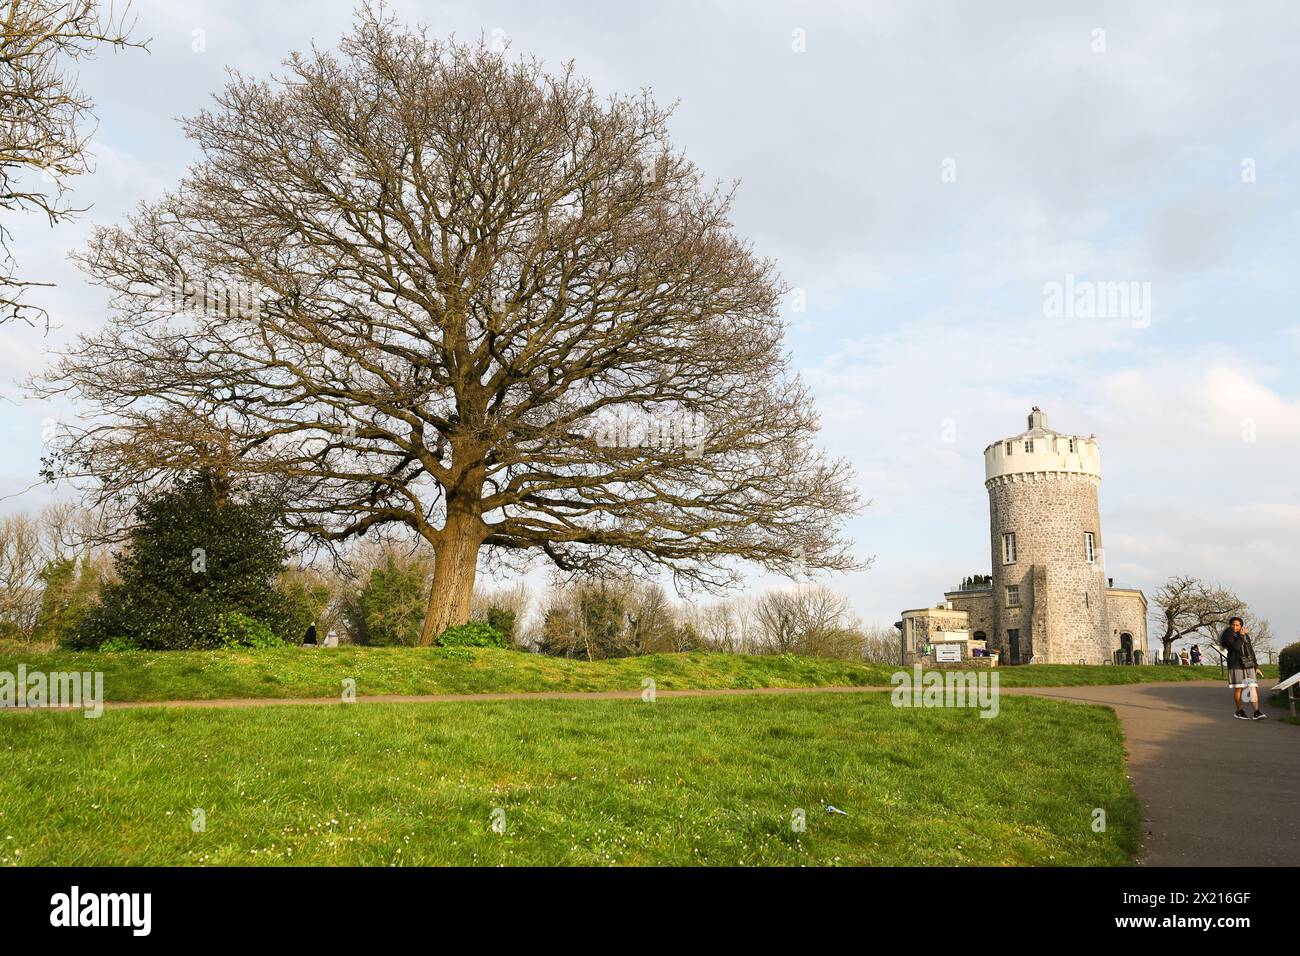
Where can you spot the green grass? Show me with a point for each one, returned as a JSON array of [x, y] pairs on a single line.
[[677, 782], [319, 672], [306, 672]]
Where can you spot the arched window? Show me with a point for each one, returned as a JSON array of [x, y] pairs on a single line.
[[980, 636]]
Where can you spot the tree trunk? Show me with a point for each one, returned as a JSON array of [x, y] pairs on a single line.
[[455, 563]]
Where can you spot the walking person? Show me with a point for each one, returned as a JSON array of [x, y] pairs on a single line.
[[1196, 655], [1243, 668]]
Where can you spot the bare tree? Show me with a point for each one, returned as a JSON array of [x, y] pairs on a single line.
[[470, 274], [807, 619], [1261, 637], [43, 114], [1185, 606], [880, 645], [1259, 629], [29, 544], [22, 558], [515, 600], [722, 625]]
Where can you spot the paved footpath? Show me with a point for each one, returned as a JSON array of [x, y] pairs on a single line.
[[1215, 791]]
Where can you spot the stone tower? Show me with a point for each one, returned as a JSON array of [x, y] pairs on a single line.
[[1049, 586]]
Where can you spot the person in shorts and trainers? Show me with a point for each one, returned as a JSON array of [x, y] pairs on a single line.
[[1243, 669]]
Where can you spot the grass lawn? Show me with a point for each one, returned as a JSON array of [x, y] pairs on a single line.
[[319, 672], [679, 781]]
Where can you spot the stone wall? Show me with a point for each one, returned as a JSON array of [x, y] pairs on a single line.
[[1062, 616], [978, 606], [1127, 611], [921, 625]]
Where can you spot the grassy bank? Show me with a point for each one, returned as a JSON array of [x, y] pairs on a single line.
[[320, 672], [679, 781]]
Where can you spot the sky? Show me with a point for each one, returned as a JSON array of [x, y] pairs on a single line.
[[921, 174]]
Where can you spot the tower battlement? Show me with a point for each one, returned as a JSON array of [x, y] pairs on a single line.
[[1040, 451]]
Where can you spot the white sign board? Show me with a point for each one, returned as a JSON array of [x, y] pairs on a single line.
[[1293, 679], [947, 653]]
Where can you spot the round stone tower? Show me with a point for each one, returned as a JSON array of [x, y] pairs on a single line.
[[1049, 586]]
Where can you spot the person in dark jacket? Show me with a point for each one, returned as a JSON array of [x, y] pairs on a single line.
[[310, 637], [1243, 668]]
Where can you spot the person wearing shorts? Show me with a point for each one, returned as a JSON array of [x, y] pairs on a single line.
[[1243, 668]]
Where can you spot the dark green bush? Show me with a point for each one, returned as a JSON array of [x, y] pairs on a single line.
[[473, 634], [1288, 662], [196, 555], [502, 619]]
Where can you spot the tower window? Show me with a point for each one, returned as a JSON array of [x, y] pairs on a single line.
[[1009, 447], [1090, 546], [1013, 595], [1029, 446], [1071, 446], [1009, 548]]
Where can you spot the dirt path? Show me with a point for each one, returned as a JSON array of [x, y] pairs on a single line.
[[1215, 791]]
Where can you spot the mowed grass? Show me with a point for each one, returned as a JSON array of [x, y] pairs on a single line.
[[320, 672], [674, 782]]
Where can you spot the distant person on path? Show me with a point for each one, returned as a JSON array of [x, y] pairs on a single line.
[[310, 637], [1183, 659], [1243, 669], [1196, 655]]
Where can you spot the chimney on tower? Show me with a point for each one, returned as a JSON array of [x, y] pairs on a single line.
[[1037, 418]]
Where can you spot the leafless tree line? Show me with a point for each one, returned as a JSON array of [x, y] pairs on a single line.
[[589, 618], [30, 544]]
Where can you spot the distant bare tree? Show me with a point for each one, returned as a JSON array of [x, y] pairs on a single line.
[[1261, 637], [1185, 606], [722, 625], [1259, 629], [469, 275], [43, 114], [22, 558], [880, 645], [515, 600], [808, 619]]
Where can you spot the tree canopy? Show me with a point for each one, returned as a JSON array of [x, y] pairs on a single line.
[[419, 285], [44, 114]]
